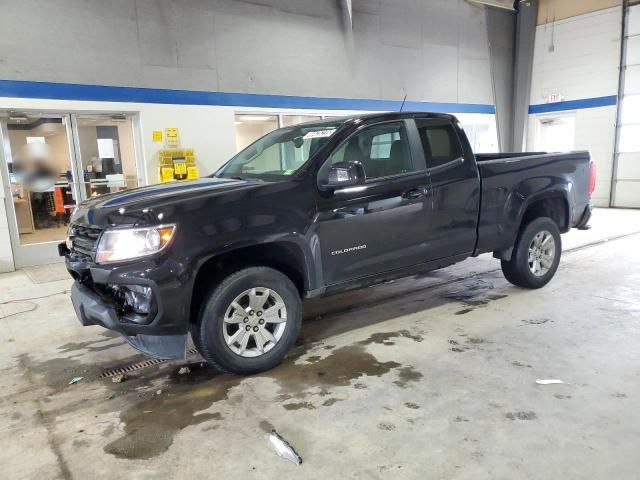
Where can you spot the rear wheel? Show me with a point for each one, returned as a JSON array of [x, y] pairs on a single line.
[[536, 254], [249, 321]]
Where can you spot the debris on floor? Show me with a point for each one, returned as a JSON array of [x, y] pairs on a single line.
[[548, 381], [159, 392], [282, 448], [521, 415], [75, 380], [184, 371], [119, 378]]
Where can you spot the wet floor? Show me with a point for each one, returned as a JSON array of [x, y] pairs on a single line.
[[432, 376]]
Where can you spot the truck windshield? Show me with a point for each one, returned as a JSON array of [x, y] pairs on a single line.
[[281, 152]]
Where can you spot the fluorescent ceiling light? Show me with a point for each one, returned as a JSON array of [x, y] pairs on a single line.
[[255, 118]]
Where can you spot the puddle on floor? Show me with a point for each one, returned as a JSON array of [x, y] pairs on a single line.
[[385, 338], [168, 402], [407, 375], [150, 425], [56, 373], [94, 345], [473, 294]]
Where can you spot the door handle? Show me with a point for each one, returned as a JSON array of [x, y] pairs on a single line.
[[413, 193]]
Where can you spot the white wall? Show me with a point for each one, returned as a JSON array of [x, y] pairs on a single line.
[[578, 58], [585, 58], [208, 130]]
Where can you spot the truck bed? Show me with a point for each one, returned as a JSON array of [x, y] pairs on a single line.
[[510, 180], [485, 157]]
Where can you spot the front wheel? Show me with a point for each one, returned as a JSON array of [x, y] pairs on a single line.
[[536, 254], [249, 321]]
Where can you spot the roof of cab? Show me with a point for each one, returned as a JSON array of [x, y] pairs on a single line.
[[400, 115], [381, 116]]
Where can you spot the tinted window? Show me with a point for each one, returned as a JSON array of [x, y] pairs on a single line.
[[382, 149], [440, 143]]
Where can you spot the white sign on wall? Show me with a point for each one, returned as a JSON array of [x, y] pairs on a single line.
[[554, 98]]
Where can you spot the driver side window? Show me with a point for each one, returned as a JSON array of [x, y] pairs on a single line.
[[383, 150]]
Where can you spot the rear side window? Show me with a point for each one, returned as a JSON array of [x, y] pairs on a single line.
[[440, 143]]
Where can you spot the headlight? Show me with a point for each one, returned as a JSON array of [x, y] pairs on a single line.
[[129, 243]]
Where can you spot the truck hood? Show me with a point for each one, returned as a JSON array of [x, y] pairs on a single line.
[[123, 207], [162, 192]]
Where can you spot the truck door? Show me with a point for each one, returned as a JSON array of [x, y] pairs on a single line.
[[383, 224], [455, 188]]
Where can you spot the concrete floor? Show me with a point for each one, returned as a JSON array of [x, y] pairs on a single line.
[[428, 377]]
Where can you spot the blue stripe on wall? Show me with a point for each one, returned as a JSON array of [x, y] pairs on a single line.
[[102, 93], [574, 104]]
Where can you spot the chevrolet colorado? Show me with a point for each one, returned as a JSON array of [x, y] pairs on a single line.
[[311, 210]]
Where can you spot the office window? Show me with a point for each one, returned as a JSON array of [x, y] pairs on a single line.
[[289, 120], [250, 128]]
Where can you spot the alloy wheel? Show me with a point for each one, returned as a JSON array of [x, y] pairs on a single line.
[[542, 252], [254, 322]]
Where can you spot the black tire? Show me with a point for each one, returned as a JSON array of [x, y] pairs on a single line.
[[209, 331], [517, 270]]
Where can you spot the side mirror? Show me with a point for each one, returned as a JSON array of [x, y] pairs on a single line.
[[343, 174]]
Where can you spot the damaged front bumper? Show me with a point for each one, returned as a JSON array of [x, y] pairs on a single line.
[[144, 302], [91, 310]]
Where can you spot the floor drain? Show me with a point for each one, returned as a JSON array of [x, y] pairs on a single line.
[[140, 365]]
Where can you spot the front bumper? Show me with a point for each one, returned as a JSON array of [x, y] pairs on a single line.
[[166, 326], [91, 310]]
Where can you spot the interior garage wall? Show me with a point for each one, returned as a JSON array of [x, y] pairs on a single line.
[[578, 58], [433, 50]]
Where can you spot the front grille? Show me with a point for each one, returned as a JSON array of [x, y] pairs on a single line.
[[84, 240]]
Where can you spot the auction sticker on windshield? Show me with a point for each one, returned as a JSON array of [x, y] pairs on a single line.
[[320, 133]]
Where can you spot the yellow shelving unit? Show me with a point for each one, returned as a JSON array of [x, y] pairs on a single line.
[[177, 164]]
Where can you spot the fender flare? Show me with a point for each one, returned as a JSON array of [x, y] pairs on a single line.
[[561, 192], [307, 259]]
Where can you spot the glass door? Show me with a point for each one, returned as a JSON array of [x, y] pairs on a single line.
[[51, 163], [105, 153], [39, 183]]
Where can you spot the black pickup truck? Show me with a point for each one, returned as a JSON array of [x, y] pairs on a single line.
[[311, 210]]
